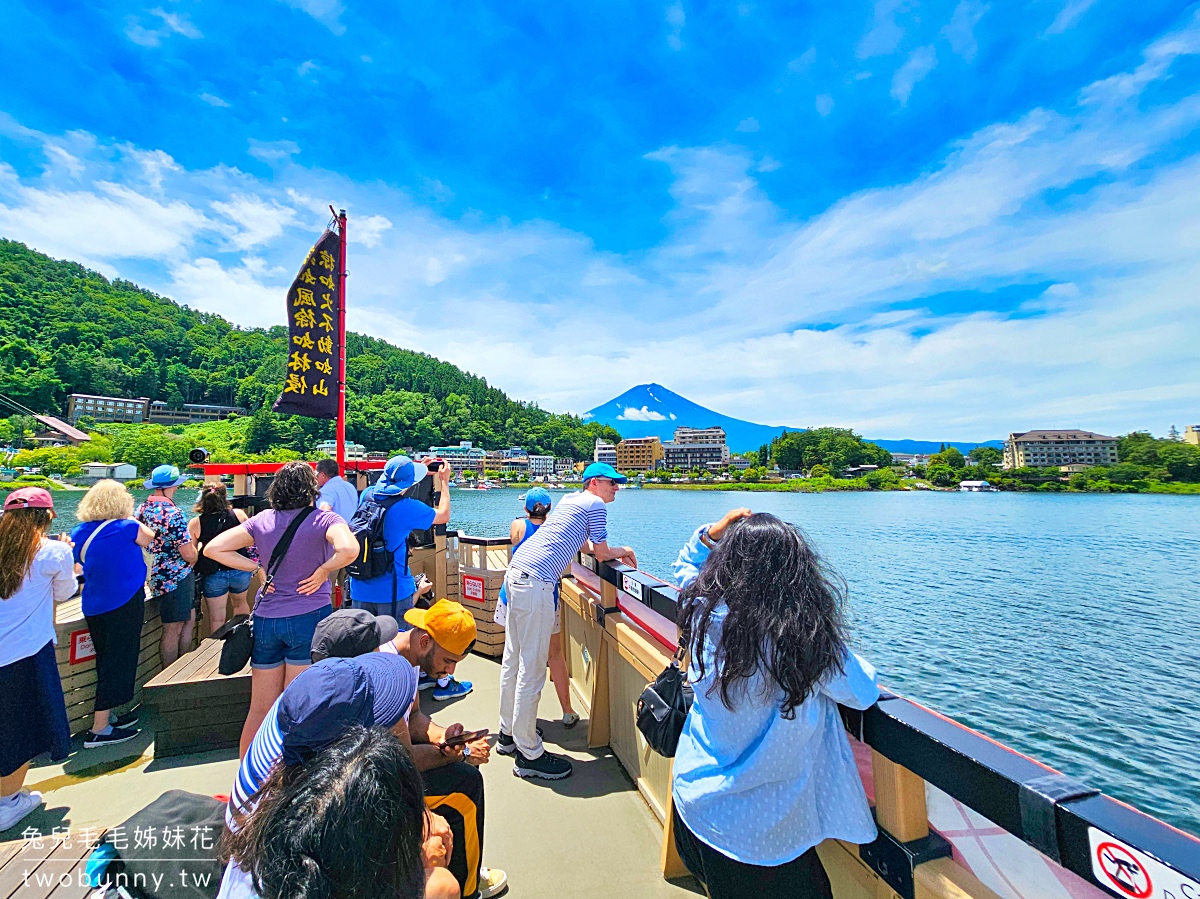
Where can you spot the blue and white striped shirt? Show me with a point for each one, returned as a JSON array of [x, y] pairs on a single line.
[[576, 519], [265, 750]]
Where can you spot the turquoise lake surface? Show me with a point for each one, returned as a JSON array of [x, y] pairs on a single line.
[[1067, 627]]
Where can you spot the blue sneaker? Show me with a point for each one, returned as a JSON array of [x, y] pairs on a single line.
[[425, 682], [453, 690]]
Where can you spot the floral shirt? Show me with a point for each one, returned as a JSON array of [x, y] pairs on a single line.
[[170, 532]]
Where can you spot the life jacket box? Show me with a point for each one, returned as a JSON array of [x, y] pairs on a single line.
[[77, 659], [479, 591]]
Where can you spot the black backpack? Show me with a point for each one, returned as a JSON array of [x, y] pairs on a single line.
[[374, 559]]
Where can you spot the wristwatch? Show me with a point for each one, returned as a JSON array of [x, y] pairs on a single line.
[[707, 540], [466, 753]]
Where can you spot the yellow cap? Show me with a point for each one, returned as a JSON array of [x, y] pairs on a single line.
[[450, 625]]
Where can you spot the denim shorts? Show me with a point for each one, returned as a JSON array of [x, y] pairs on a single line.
[[176, 606], [279, 640], [221, 582]]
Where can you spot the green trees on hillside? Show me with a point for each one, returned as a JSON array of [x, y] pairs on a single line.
[[64, 329], [835, 448]]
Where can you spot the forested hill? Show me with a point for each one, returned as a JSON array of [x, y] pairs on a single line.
[[64, 329]]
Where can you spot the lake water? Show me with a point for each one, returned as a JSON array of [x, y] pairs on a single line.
[[1067, 627]]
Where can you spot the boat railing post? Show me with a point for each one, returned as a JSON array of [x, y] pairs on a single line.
[[899, 800], [599, 724]]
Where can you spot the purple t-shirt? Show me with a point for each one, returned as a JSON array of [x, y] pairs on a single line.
[[309, 550]]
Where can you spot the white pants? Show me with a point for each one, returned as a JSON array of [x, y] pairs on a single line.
[[531, 616]]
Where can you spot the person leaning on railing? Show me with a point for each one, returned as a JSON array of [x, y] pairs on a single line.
[[764, 771]]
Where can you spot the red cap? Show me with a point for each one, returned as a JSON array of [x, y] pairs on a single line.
[[29, 498]]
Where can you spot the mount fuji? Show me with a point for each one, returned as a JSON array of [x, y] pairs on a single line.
[[651, 410]]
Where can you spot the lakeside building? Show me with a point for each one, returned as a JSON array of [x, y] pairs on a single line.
[[911, 459], [353, 450], [696, 448], [191, 413], [639, 454], [1043, 449], [563, 466], [464, 457], [541, 466], [1191, 434], [117, 409], [97, 471], [605, 452]]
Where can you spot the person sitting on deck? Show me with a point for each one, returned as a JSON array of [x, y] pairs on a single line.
[[530, 584], [537, 507], [439, 638], [764, 771], [332, 765]]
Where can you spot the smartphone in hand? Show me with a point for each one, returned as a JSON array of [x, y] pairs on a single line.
[[467, 736]]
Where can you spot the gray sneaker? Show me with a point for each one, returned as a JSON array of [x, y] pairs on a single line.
[[547, 766]]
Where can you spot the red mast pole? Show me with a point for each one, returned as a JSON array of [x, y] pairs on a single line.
[[341, 419]]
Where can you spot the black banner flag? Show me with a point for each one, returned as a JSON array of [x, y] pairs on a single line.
[[312, 307]]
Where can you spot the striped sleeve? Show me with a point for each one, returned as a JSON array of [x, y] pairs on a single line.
[[265, 751], [597, 523]]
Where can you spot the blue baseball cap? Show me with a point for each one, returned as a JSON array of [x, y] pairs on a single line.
[[163, 477], [335, 694], [603, 470], [403, 472], [538, 496]]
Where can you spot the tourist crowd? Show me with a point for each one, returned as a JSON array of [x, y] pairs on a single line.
[[336, 736]]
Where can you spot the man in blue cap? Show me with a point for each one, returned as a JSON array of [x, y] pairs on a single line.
[[536, 567], [394, 594]]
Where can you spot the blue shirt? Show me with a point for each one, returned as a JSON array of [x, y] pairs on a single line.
[[754, 785], [114, 569], [548, 551], [341, 497], [404, 517]]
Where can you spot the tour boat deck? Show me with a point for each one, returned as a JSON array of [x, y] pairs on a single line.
[[568, 838]]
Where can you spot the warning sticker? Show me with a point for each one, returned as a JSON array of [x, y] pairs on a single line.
[[1126, 871], [472, 587], [82, 649]]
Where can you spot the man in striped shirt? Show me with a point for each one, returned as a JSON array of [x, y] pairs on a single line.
[[536, 567]]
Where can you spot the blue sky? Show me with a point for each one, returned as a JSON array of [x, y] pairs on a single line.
[[945, 220]]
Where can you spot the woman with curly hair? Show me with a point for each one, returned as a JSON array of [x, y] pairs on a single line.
[[764, 771], [286, 615], [35, 572], [362, 789], [108, 548]]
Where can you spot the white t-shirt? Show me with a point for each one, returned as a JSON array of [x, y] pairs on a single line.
[[27, 617], [236, 883]]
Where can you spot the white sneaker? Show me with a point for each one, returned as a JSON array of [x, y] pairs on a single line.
[[492, 882], [12, 813]]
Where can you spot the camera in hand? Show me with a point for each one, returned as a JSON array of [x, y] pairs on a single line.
[[435, 465]]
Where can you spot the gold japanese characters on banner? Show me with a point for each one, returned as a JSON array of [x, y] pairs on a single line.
[[312, 366]]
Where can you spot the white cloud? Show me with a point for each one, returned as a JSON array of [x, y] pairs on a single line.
[[273, 151], [235, 292], [632, 413], [305, 67], [170, 23], [960, 31], [748, 125], [676, 19], [327, 12], [259, 221], [213, 100], [1071, 12], [802, 62], [824, 105], [919, 64], [885, 32]]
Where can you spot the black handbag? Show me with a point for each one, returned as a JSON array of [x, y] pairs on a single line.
[[664, 705], [238, 632]]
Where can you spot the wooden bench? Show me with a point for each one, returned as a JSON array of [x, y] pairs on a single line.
[[47, 869], [199, 708]]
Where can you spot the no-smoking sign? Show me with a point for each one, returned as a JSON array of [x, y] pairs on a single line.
[[1126, 871]]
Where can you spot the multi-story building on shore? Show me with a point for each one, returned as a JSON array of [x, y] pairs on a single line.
[[464, 457], [696, 448], [605, 452], [541, 466], [107, 408], [1043, 449], [1191, 434], [639, 454], [190, 413]]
